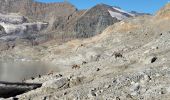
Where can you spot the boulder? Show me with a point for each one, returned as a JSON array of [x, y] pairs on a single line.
[[56, 83]]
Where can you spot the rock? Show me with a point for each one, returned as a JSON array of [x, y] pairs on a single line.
[[129, 96], [118, 55], [56, 83], [168, 89], [143, 90], [4, 46], [98, 69], [117, 98], [2, 30], [107, 86], [145, 79], [163, 91], [23, 28], [75, 81], [84, 62], [12, 18], [65, 93], [35, 10], [135, 87], [75, 66], [153, 59], [92, 93]]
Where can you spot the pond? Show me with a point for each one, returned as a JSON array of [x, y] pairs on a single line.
[[18, 71]]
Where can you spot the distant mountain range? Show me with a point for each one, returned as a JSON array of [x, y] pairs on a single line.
[[65, 19]]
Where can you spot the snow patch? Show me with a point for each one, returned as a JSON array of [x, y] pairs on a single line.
[[119, 16]]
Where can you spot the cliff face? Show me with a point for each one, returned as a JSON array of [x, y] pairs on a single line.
[[37, 10]]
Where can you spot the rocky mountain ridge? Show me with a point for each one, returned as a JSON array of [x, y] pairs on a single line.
[[64, 18]]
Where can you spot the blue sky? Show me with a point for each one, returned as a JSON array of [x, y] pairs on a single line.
[[148, 6]]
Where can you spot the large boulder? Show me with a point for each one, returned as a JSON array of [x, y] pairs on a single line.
[[56, 83], [2, 30]]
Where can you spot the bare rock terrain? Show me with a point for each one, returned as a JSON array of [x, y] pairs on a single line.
[[129, 60]]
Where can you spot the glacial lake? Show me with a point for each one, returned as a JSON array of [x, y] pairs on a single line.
[[19, 71]]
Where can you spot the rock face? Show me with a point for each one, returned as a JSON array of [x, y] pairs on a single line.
[[14, 28], [23, 28], [2, 30], [40, 11], [12, 18], [37, 10], [15, 24]]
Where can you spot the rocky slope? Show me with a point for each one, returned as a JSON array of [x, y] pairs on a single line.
[[36, 10], [128, 61]]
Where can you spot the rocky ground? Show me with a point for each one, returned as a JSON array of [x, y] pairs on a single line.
[[128, 61]]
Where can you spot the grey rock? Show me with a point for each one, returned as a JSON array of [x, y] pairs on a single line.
[[12, 18], [57, 83], [135, 87]]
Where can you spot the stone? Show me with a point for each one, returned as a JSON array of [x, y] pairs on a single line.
[[92, 94], [75, 81], [56, 83], [4, 46], [107, 86], [98, 69], [153, 59], [145, 79], [135, 87]]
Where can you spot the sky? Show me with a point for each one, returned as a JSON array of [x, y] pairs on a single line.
[[147, 6]]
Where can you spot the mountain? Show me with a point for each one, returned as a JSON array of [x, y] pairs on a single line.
[[164, 12], [64, 19], [128, 57], [93, 21], [129, 60], [37, 10], [135, 13]]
